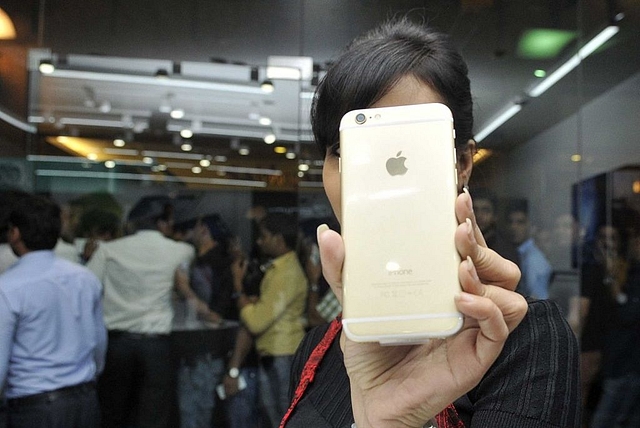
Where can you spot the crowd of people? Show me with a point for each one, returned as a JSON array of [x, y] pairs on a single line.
[[129, 291]]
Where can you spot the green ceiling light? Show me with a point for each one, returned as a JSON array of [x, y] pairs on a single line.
[[544, 43], [540, 73]]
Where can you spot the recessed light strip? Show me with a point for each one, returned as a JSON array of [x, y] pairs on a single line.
[[152, 80], [574, 61], [60, 159], [13, 121], [243, 170], [497, 122], [148, 177], [171, 155]]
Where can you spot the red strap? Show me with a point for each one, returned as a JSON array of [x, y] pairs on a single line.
[[311, 366], [448, 418]]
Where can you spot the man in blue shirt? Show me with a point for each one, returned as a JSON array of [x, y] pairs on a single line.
[[536, 269], [52, 333]]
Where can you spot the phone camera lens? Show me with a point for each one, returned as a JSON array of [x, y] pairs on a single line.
[[360, 118]]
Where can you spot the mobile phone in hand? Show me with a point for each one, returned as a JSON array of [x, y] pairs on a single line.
[[398, 191]]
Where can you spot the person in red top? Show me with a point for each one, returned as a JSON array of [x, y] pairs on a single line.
[[513, 364]]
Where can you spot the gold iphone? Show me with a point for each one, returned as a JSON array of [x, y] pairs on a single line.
[[399, 186]]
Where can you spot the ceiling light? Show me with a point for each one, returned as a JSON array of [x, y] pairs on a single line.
[[539, 73], [205, 163], [120, 152], [244, 151], [119, 142], [186, 133], [270, 138], [186, 147], [303, 167], [574, 61], [162, 167], [267, 86], [92, 156], [481, 155], [576, 158], [497, 122], [544, 43], [289, 67], [171, 155], [300, 174], [148, 160], [264, 121], [196, 170], [110, 164], [105, 107], [290, 155], [245, 170], [280, 149], [46, 67], [7, 29], [177, 113]]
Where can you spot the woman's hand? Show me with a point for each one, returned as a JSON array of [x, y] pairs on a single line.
[[405, 386]]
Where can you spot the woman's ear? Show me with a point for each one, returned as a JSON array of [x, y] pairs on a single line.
[[465, 162]]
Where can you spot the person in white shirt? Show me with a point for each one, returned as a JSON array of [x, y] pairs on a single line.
[[138, 274]]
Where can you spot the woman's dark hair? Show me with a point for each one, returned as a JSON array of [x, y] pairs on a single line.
[[372, 65], [38, 220]]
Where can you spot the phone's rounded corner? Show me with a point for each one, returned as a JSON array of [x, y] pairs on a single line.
[[352, 336]]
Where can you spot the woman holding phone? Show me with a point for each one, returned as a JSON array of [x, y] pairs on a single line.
[[513, 363]]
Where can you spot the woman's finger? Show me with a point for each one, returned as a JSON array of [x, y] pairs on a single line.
[[512, 305], [332, 257], [492, 331], [490, 266], [464, 211]]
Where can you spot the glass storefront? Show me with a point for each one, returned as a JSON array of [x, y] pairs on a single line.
[[561, 170]]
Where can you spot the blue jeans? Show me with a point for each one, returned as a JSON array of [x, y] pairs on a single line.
[[619, 405], [242, 408], [196, 385], [274, 386]]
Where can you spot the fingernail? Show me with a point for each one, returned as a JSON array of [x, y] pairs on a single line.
[[320, 230], [472, 269], [469, 227], [465, 189]]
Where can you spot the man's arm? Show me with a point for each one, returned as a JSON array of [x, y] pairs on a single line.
[[101, 335], [242, 347], [8, 323], [182, 286]]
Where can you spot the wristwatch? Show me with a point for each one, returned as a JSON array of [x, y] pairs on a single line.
[[233, 373]]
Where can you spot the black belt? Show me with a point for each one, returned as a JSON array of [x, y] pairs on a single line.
[[51, 396], [137, 336]]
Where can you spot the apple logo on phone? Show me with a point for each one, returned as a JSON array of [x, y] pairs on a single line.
[[395, 166]]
